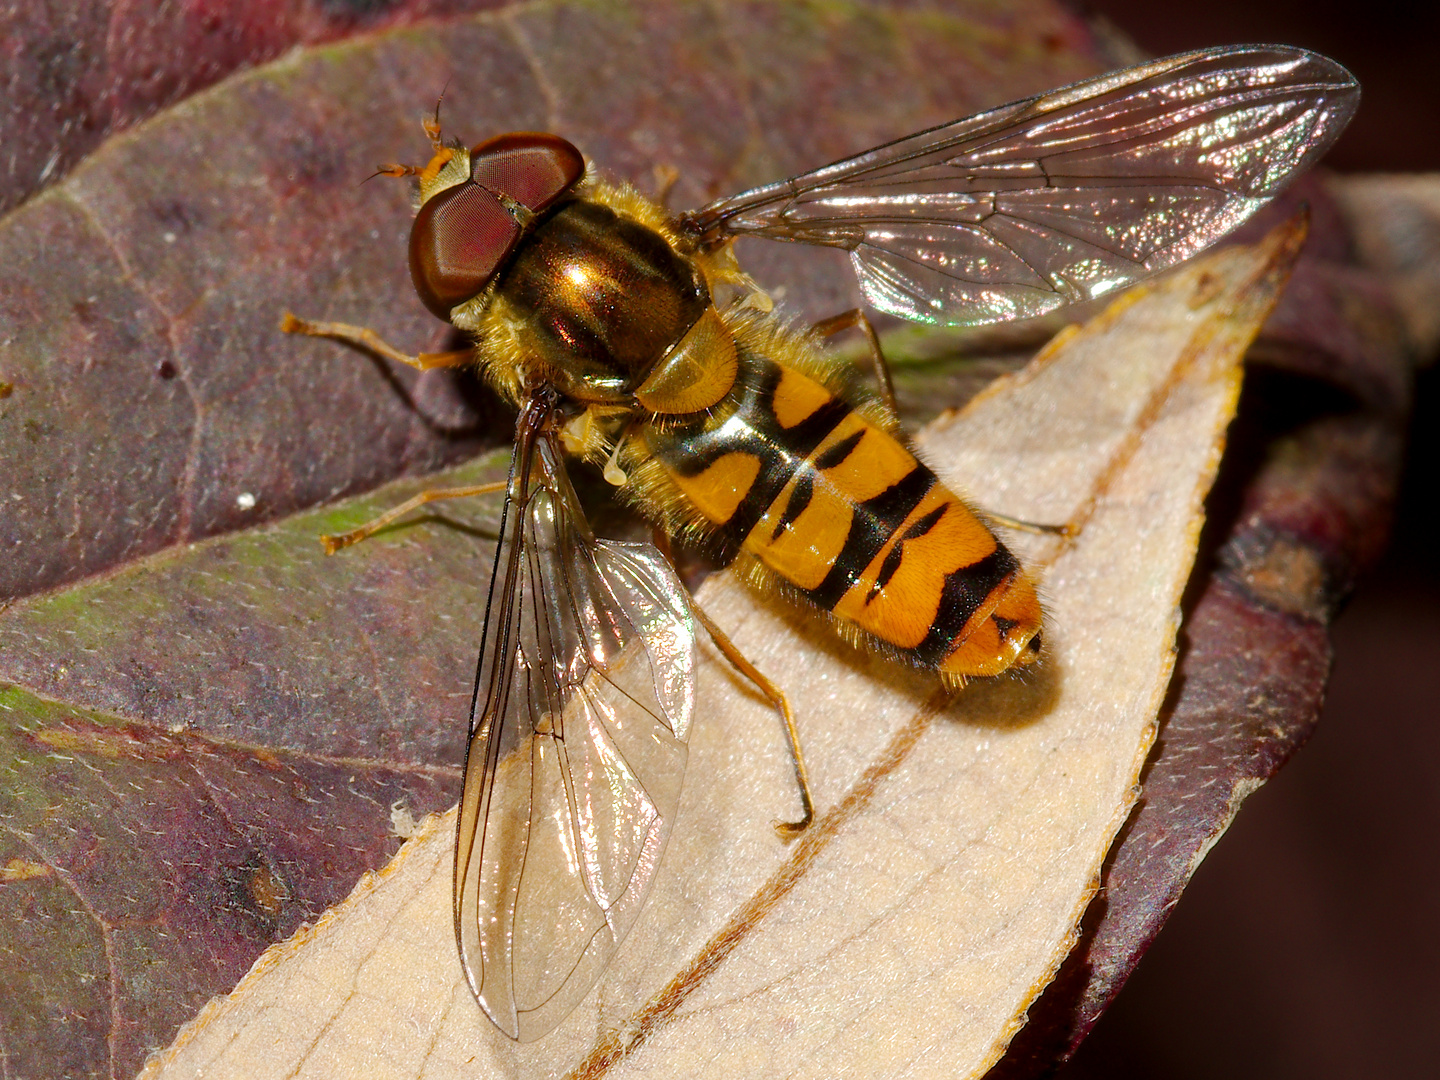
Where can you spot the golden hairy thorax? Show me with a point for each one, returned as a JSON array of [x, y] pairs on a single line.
[[607, 303]]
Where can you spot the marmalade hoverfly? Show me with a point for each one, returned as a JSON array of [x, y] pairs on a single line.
[[629, 337]]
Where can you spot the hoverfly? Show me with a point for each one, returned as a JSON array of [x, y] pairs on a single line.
[[629, 337]]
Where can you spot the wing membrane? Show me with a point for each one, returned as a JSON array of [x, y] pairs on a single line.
[[583, 705], [1062, 197]]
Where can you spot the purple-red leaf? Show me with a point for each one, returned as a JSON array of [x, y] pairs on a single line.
[[202, 747]]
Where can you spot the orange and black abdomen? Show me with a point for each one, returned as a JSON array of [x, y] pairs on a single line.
[[788, 473]]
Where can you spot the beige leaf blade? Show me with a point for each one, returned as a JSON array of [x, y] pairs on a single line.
[[908, 931]]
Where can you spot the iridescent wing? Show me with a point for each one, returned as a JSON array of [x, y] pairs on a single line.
[[583, 703], [1061, 197]]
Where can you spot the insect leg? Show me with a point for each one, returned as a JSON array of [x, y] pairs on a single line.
[[334, 543], [776, 698], [364, 338], [773, 693], [1030, 526], [857, 318], [666, 176]]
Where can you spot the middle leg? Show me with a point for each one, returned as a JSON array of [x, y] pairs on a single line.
[[857, 318]]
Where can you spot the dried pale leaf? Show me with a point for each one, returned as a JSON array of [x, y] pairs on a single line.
[[1300, 508], [936, 895]]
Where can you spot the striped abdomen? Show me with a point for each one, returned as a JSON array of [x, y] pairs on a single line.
[[790, 474]]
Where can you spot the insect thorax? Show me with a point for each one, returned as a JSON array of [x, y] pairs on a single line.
[[591, 303]]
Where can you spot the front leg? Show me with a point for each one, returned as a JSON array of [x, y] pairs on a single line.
[[371, 342]]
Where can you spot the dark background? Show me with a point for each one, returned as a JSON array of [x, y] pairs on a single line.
[[1307, 945]]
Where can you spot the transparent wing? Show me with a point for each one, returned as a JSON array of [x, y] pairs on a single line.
[[583, 705], [1062, 197]]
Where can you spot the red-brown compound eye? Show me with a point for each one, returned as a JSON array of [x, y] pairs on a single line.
[[530, 166], [462, 235], [458, 239]]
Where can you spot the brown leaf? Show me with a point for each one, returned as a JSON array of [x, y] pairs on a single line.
[[1396, 221]]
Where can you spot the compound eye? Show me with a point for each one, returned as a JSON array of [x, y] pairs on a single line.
[[458, 239], [462, 235], [533, 168]]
